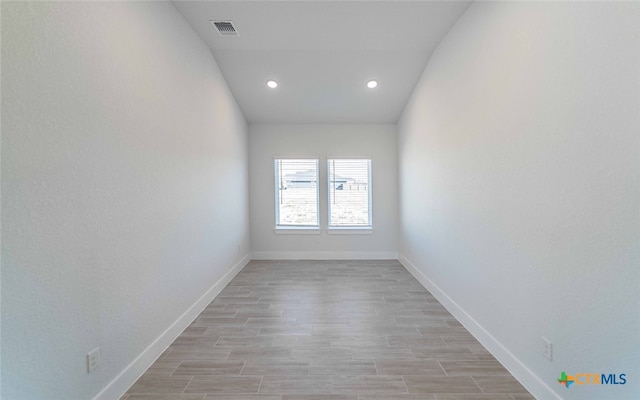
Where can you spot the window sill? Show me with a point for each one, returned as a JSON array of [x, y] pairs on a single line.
[[297, 231], [350, 231]]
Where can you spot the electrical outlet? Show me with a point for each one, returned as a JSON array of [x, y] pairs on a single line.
[[547, 348], [93, 359]]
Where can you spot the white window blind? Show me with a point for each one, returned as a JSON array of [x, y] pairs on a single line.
[[296, 193], [349, 193]]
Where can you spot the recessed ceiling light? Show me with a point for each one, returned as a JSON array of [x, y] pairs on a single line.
[[372, 84], [272, 84]]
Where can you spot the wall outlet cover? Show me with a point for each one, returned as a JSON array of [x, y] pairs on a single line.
[[93, 359], [547, 348]]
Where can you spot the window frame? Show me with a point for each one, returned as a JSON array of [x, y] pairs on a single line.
[[351, 229], [297, 229]]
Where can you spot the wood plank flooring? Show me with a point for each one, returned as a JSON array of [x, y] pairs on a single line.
[[326, 330]]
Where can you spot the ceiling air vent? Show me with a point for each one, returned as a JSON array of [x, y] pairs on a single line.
[[225, 28]]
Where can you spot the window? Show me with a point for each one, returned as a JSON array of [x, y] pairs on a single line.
[[296, 193], [349, 193]]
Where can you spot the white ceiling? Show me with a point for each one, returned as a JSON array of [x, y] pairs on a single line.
[[322, 53]]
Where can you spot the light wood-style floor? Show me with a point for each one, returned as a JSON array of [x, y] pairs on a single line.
[[326, 330]]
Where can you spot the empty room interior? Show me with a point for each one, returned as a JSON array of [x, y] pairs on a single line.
[[320, 200]]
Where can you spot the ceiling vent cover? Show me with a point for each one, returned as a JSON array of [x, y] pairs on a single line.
[[225, 28]]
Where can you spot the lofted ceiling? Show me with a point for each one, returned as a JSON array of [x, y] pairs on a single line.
[[322, 53]]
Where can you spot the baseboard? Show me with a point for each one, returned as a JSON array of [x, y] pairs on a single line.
[[121, 383], [324, 255], [536, 386]]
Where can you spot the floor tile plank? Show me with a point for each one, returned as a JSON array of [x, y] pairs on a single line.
[[228, 385]]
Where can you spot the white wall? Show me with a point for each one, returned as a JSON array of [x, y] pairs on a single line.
[[269, 141], [124, 188], [519, 174]]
